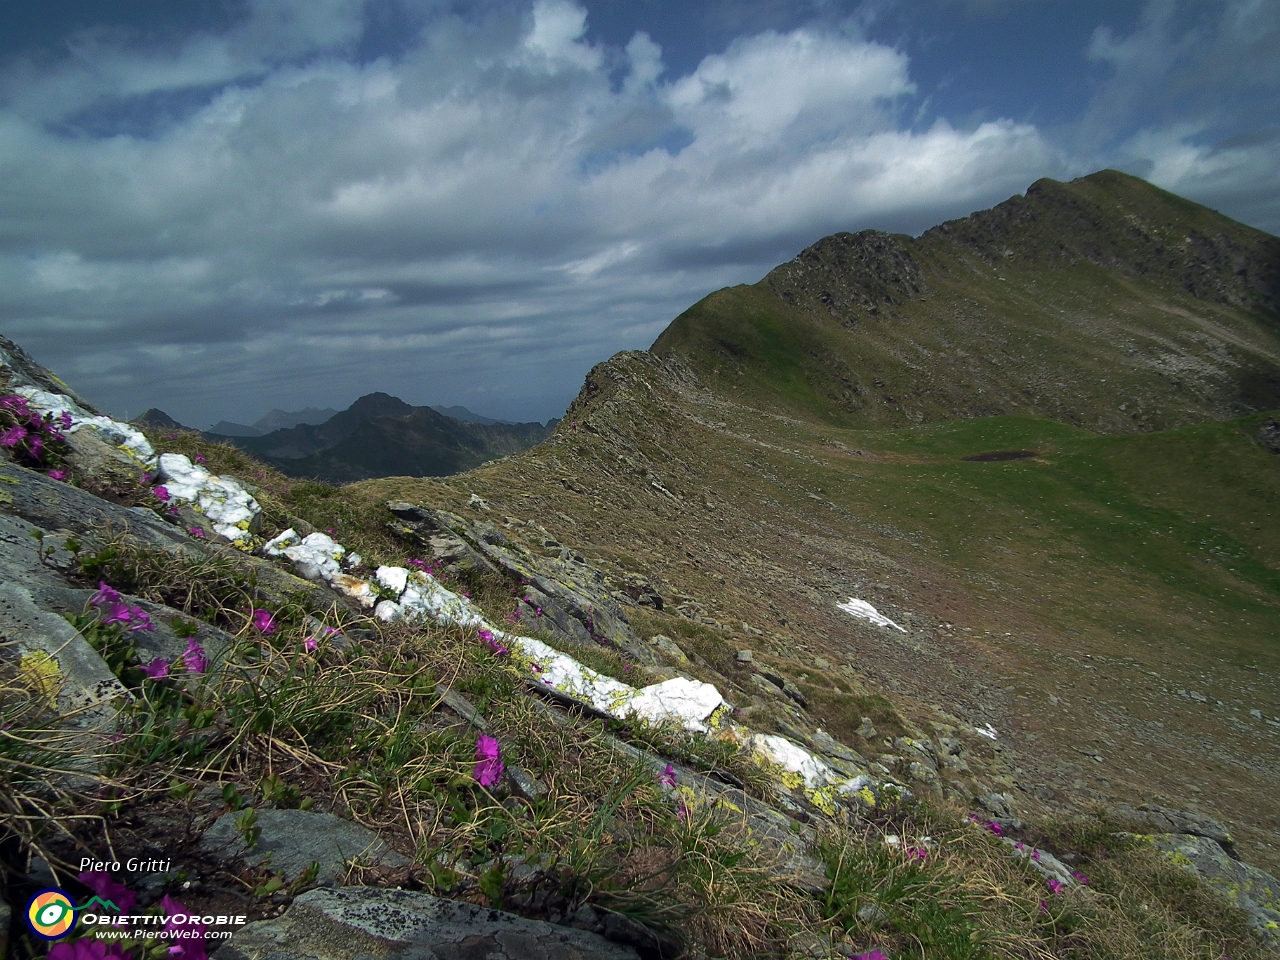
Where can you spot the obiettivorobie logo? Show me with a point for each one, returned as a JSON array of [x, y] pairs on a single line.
[[51, 914]]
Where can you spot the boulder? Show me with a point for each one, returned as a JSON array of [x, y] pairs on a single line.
[[363, 922], [1254, 891], [1160, 819], [291, 840]]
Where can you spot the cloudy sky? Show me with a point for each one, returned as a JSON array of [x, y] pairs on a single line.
[[222, 206]]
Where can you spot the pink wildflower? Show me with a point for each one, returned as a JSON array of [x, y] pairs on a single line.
[[1044, 908], [994, 828], [264, 621], [64, 419], [1080, 878], [104, 886], [195, 658], [57, 474], [87, 949], [310, 644], [682, 811], [1035, 855], [161, 493], [488, 768], [104, 595], [157, 669], [185, 949], [1055, 886], [917, 853], [13, 436], [668, 776], [487, 637], [200, 459], [876, 954], [196, 532]]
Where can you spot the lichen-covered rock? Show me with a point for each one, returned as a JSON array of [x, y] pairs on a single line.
[[1254, 891], [1160, 819], [362, 922], [55, 662]]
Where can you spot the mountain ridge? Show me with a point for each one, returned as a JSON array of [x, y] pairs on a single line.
[[766, 460], [874, 329]]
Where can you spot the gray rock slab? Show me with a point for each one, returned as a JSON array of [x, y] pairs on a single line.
[[363, 923], [1254, 891], [829, 746], [576, 603], [162, 642], [53, 505], [20, 558], [292, 840], [25, 372], [1165, 820], [79, 682]]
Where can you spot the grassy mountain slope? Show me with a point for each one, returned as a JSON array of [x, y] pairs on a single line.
[[1109, 601], [1105, 303]]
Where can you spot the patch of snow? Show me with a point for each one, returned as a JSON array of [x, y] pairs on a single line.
[[387, 610], [865, 611], [394, 579], [122, 435], [424, 597], [689, 701], [316, 553], [229, 507], [987, 731], [561, 671], [793, 759]]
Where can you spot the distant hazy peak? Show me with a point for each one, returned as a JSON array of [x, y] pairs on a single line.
[[155, 417], [462, 413], [284, 419], [229, 428]]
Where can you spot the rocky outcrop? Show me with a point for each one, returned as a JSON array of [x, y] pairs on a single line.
[[561, 594], [1254, 891], [359, 922]]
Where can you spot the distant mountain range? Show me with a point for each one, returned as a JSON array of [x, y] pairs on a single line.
[[377, 436]]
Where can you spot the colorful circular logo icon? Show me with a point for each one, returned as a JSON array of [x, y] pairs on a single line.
[[51, 914]]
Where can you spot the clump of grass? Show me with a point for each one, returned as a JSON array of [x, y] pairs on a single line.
[[48, 780], [962, 895]]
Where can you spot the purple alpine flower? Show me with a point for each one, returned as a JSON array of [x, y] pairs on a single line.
[[488, 768], [195, 658]]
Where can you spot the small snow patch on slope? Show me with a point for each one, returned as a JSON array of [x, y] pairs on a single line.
[[865, 611]]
